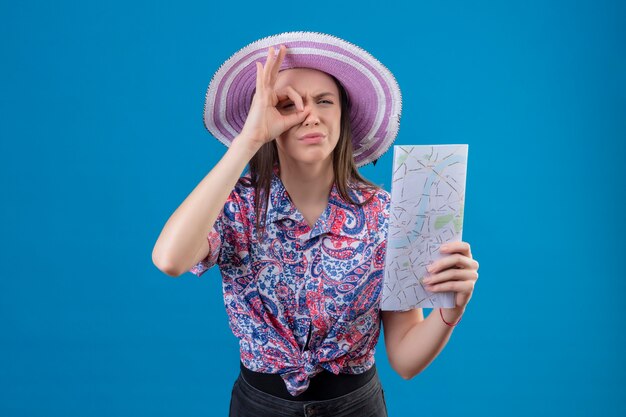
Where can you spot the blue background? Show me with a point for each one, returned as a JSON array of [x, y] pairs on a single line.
[[102, 139]]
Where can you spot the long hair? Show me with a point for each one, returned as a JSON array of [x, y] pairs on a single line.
[[345, 170]]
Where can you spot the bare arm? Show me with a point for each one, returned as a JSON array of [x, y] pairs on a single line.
[[182, 242], [412, 343]]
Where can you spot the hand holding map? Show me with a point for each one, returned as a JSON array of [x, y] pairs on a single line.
[[427, 198]]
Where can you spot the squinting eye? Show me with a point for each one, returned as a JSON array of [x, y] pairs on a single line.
[[291, 104]]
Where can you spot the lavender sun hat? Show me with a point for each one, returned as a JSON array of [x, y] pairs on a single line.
[[373, 91]]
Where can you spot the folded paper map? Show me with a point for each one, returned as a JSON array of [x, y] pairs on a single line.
[[427, 196]]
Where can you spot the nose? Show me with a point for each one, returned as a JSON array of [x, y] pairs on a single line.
[[311, 118]]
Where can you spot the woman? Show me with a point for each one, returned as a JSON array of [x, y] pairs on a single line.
[[300, 238]]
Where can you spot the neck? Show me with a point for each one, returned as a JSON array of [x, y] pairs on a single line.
[[309, 184]]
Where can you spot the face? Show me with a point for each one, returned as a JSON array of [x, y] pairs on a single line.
[[324, 116]]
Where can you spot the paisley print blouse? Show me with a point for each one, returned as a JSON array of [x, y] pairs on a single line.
[[301, 299]]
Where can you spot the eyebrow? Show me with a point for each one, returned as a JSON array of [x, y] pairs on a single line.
[[326, 93]]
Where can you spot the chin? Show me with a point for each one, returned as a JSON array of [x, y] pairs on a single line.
[[312, 157]]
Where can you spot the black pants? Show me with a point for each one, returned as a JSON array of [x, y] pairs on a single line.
[[366, 401]]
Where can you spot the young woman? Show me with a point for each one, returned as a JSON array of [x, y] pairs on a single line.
[[300, 238]]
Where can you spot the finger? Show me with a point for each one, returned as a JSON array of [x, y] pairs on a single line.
[[456, 247], [290, 93], [259, 76], [451, 275], [279, 60], [267, 70], [295, 118], [452, 261], [455, 286]]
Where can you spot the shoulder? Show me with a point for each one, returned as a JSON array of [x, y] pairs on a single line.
[[242, 193], [375, 207], [377, 198], [244, 186], [383, 196], [239, 204]]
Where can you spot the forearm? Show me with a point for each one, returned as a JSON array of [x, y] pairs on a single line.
[[182, 236], [424, 341]]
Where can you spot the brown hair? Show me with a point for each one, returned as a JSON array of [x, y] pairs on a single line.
[[345, 170]]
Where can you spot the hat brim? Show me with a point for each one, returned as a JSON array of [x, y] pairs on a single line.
[[376, 101]]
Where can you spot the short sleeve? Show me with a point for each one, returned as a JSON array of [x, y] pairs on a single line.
[[215, 245], [228, 239], [377, 214], [383, 208]]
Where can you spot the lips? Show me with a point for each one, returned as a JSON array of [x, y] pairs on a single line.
[[311, 136], [312, 139]]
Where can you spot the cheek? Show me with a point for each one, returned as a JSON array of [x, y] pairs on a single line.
[[337, 127], [337, 120], [285, 144], [280, 144], [283, 139]]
